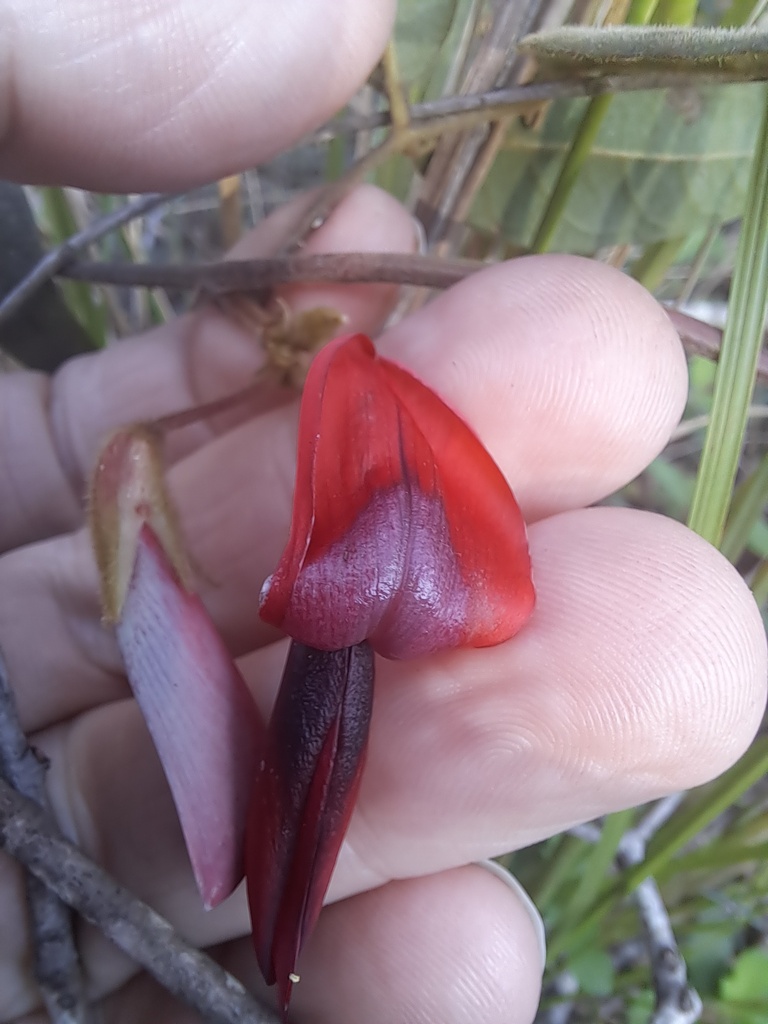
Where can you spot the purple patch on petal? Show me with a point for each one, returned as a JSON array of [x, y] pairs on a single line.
[[392, 579]]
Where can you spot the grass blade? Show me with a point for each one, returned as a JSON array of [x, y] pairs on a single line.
[[742, 339]]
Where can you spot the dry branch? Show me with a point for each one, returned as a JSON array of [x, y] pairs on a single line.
[[27, 834], [54, 260], [224, 277], [56, 962]]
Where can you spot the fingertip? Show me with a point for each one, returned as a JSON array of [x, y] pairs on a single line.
[[732, 639], [166, 95], [509, 880], [658, 646], [570, 372], [368, 220], [452, 947]]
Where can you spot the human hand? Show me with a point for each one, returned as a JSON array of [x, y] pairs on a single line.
[[642, 670]]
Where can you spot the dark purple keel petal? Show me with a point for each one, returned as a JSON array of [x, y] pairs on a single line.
[[303, 796], [398, 556], [199, 711]]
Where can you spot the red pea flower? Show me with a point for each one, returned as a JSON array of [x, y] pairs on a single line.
[[405, 535], [404, 531]]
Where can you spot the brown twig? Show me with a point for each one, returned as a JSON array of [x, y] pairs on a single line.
[[698, 338], [54, 260], [56, 962], [454, 158], [253, 275], [330, 195], [27, 834], [702, 339], [455, 113], [428, 120]]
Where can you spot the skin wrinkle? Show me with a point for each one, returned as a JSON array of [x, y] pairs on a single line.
[[645, 748], [218, 51], [91, 638], [65, 792], [649, 636], [432, 731], [180, 48], [100, 44], [477, 927], [611, 721], [483, 745], [540, 698], [14, 490]]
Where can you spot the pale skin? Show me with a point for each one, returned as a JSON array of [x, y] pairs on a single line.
[[642, 671]]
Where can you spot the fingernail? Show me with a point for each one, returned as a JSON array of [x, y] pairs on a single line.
[[525, 899], [420, 246]]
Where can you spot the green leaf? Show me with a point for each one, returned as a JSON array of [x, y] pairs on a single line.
[[748, 983], [640, 1008], [595, 871], [747, 508], [43, 332], [715, 857], [652, 267], [759, 584], [594, 970], [558, 874], [672, 487], [78, 296], [421, 30], [640, 12], [739, 13], [699, 808], [675, 12], [663, 163], [708, 953]]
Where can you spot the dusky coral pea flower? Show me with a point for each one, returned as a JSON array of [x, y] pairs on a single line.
[[405, 536], [404, 531]]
